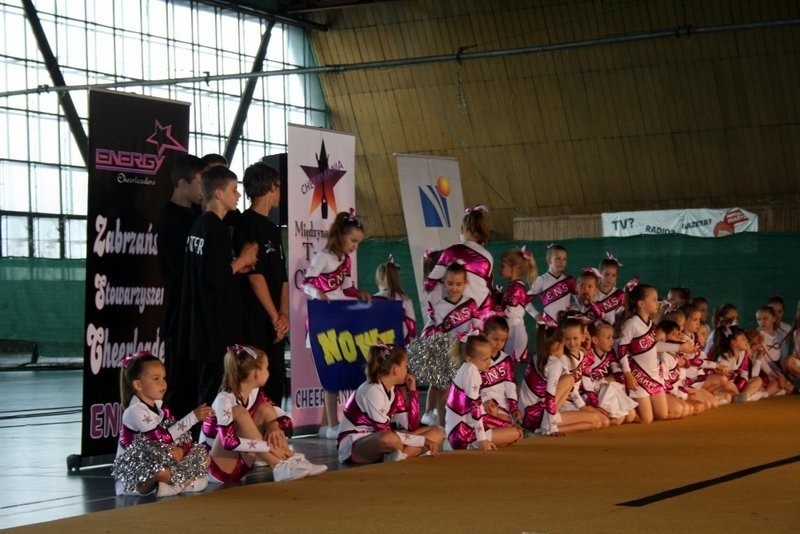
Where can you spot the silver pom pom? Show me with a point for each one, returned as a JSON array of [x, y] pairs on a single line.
[[429, 360], [138, 464]]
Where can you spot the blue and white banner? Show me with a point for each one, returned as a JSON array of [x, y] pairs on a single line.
[[341, 333], [700, 222], [433, 205]]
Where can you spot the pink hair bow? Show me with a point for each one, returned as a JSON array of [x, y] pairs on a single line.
[[352, 216], [464, 336], [594, 271], [525, 253], [613, 258], [390, 259], [479, 207], [633, 282], [130, 358], [243, 348]]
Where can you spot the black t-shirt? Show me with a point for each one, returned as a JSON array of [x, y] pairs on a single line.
[[172, 226], [254, 227], [210, 317]]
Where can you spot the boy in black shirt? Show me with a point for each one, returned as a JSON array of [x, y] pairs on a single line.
[[210, 300], [265, 291], [172, 226]]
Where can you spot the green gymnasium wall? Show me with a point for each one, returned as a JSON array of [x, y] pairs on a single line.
[[42, 300]]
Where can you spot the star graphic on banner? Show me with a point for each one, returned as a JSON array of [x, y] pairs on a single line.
[[162, 138], [324, 180]]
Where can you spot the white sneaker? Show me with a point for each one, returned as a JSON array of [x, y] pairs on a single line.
[[289, 469], [198, 484], [167, 490], [323, 431], [395, 456], [430, 418], [313, 469], [332, 432]]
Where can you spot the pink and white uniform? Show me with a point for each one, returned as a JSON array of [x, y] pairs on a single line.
[[222, 425], [553, 293], [330, 275], [497, 384], [698, 364], [537, 395], [599, 387], [612, 304], [463, 420], [451, 318], [151, 422], [409, 317], [479, 264], [372, 408], [742, 367], [638, 354], [515, 298]]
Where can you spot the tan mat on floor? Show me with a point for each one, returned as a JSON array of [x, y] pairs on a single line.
[[735, 469]]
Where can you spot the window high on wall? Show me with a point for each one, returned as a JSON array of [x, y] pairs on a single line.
[[43, 179]]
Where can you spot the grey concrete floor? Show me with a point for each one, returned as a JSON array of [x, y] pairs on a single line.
[[40, 426]]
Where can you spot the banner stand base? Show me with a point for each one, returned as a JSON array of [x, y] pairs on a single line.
[[75, 461]]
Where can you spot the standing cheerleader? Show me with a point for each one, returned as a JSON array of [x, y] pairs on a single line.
[[369, 430], [638, 353], [519, 268], [464, 421], [609, 297], [246, 425], [149, 431], [584, 303], [498, 388], [553, 288], [547, 385], [477, 261], [453, 314], [387, 278], [329, 278]]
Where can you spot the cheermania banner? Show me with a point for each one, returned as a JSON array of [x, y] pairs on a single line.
[[133, 141], [433, 206], [700, 222], [320, 183]]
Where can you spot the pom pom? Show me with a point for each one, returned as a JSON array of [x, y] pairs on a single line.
[[429, 360]]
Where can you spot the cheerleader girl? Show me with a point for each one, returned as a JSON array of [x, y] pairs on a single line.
[[387, 278], [704, 376], [792, 362], [584, 303], [547, 385], [455, 313], [369, 431], [681, 401], [576, 341], [519, 268], [638, 353], [464, 421], [598, 386], [773, 339], [498, 387], [610, 299], [724, 314], [246, 425], [553, 288], [149, 430], [733, 349], [329, 278], [477, 261]]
